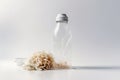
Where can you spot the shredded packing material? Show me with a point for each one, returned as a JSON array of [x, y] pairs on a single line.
[[44, 61]]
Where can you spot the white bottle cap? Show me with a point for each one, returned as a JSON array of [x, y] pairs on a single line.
[[61, 18]]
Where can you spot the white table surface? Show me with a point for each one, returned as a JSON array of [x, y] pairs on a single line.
[[10, 71]]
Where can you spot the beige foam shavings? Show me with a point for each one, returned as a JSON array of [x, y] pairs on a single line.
[[44, 61], [61, 65]]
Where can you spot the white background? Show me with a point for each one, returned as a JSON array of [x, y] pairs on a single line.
[[26, 26]]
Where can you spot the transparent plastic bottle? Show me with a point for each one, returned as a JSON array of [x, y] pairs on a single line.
[[62, 39]]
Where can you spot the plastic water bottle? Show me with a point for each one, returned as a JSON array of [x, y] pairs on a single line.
[[62, 39]]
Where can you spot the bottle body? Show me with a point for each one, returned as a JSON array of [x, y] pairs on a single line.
[[62, 42]]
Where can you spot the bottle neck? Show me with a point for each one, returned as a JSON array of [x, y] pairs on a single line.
[[62, 24], [62, 21]]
